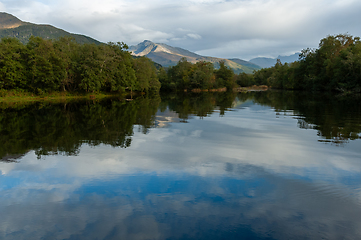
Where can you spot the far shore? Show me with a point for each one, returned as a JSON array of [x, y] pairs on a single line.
[[253, 88]]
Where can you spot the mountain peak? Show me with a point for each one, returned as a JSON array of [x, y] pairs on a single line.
[[142, 48], [148, 47], [147, 42], [166, 55]]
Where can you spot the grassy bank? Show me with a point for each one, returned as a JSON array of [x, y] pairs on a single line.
[[13, 96]]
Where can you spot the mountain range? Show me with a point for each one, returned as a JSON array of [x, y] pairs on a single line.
[[11, 26], [169, 56]]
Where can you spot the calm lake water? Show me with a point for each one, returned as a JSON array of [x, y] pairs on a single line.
[[261, 165]]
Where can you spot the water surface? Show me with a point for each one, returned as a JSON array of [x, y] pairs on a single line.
[[263, 165]]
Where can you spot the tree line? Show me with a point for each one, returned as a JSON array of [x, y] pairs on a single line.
[[334, 66], [201, 75], [43, 66], [64, 65]]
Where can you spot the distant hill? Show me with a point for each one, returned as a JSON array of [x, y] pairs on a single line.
[[169, 56], [270, 62], [245, 63], [11, 26]]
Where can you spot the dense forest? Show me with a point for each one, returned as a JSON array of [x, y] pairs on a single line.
[[64, 65], [42, 66], [334, 66]]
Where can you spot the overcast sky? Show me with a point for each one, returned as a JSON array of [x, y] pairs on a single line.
[[220, 28]]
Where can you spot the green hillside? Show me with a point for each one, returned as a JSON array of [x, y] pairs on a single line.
[[11, 26], [234, 65], [249, 65]]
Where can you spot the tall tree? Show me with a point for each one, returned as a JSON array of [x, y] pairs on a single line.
[[146, 74], [12, 70], [225, 76]]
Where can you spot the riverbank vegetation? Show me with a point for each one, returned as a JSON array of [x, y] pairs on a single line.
[[201, 75], [45, 66], [334, 66], [66, 68], [15, 96]]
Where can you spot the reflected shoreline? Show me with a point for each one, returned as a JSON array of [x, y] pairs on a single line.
[[62, 128]]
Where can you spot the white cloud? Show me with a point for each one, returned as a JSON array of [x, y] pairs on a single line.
[[194, 36], [211, 27]]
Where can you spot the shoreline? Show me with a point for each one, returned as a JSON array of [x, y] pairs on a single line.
[[11, 96], [25, 97], [253, 88]]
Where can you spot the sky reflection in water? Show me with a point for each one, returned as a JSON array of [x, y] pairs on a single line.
[[250, 174]]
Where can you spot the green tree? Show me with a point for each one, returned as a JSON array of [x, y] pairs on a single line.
[[225, 76], [202, 75], [166, 82], [120, 68], [12, 69], [44, 66], [67, 49], [180, 74], [245, 80], [146, 75], [89, 68]]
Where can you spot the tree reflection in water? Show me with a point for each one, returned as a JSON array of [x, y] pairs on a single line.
[[61, 128]]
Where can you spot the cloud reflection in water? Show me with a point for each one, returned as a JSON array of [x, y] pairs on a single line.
[[247, 175]]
